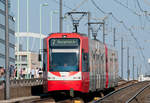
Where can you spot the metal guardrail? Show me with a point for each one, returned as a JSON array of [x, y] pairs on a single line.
[[25, 82]]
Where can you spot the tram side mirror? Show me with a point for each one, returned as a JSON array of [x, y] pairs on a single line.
[[39, 58]]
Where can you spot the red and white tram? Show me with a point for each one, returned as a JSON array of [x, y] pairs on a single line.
[[72, 61]]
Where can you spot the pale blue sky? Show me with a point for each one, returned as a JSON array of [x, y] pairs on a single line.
[[119, 11]]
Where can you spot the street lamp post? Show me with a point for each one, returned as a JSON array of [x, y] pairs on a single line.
[[41, 5], [51, 19], [18, 29], [27, 39], [27, 24]]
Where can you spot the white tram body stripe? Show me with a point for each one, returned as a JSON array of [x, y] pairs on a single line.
[[64, 50], [64, 76]]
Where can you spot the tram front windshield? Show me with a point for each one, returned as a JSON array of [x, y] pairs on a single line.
[[64, 59]]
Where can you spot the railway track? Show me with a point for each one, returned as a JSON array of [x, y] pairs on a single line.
[[52, 100], [61, 98], [80, 100], [139, 97], [125, 83], [127, 94]]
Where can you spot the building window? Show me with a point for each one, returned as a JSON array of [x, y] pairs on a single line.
[[2, 6], [2, 19], [2, 62], [11, 24], [11, 52], [24, 58], [2, 34], [11, 38], [2, 48], [15, 57]]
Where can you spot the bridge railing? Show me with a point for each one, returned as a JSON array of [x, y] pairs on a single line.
[[24, 82]]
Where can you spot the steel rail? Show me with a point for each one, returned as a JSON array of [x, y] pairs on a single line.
[[140, 91], [41, 100], [50, 98], [111, 93]]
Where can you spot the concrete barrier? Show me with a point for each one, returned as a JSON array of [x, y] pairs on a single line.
[[16, 92], [22, 88]]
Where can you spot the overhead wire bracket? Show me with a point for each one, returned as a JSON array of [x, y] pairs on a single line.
[[95, 30], [76, 21]]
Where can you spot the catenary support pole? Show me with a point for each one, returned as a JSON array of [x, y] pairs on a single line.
[[104, 31], [61, 18], [114, 37], [128, 70], [89, 15], [122, 58], [133, 66]]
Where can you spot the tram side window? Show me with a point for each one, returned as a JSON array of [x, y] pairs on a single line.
[[85, 62]]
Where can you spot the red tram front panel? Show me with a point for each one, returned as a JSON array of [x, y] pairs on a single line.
[[74, 62], [64, 62]]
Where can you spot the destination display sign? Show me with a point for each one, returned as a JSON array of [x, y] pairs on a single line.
[[64, 42]]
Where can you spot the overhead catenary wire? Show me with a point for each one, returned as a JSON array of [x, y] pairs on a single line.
[[98, 7], [134, 12], [140, 20], [80, 4], [124, 25], [73, 9], [139, 5], [132, 34], [143, 11]]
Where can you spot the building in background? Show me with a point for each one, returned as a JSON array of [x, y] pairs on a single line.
[[2, 36], [27, 60]]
